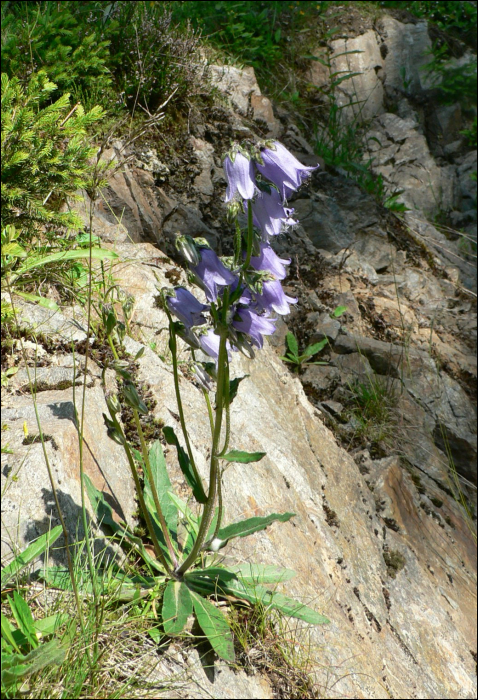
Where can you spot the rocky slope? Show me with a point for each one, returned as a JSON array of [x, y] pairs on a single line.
[[380, 543]]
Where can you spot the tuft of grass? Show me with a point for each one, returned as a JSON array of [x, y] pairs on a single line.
[[372, 410], [268, 642]]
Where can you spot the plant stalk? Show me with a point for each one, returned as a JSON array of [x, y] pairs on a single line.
[[209, 505]]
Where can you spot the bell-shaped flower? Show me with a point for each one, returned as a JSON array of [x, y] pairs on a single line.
[[270, 261], [187, 308], [209, 343], [255, 326], [283, 169], [211, 274], [269, 215], [273, 298], [239, 172]]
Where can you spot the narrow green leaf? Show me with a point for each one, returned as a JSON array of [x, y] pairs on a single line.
[[23, 616], [63, 256], [234, 386], [163, 485], [30, 553], [314, 349], [292, 343], [243, 457], [337, 313], [41, 301], [251, 525], [261, 573], [215, 627], [177, 606], [7, 633], [185, 465]]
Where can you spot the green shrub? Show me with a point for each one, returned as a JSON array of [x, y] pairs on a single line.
[[45, 156], [50, 36]]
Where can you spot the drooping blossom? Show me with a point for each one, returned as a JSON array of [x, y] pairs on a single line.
[[269, 215], [255, 326], [273, 298], [209, 343], [283, 169], [211, 274], [187, 308], [239, 172], [270, 261]]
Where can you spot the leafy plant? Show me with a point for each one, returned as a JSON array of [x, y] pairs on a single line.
[[24, 650], [300, 360]]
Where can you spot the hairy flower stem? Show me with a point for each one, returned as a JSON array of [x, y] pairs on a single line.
[[174, 349], [159, 511], [211, 499], [149, 523]]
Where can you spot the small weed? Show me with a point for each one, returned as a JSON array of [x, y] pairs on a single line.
[[395, 562], [301, 360]]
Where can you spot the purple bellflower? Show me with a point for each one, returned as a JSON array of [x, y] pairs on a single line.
[[240, 177], [273, 298], [283, 169], [211, 273], [187, 308], [269, 215], [254, 326], [209, 343], [270, 261]]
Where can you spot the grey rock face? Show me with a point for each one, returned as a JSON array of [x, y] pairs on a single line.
[[28, 504]]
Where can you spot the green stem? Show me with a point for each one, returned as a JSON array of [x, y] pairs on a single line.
[[157, 504], [220, 505], [228, 412], [209, 506], [113, 349], [173, 346], [149, 524], [209, 411]]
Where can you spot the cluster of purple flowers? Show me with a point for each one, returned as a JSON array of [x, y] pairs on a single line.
[[263, 182]]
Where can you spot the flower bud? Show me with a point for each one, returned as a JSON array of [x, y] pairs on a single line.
[[202, 377], [186, 246], [245, 347], [132, 398], [113, 404]]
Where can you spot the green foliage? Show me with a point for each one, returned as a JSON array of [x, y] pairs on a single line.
[[115, 54], [372, 409], [301, 360], [454, 82], [470, 135], [55, 38], [457, 18], [45, 157], [24, 650]]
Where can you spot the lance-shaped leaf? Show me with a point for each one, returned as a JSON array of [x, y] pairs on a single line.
[[17, 666], [226, 582], [292, 344], [30, 553], [163, 485], [261, 573], [24, 618], [177, 606], [243, 457], [185, 464], [215, 627], [247, 527]]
